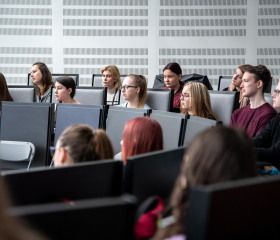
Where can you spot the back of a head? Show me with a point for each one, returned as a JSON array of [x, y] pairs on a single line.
[[141, 135], [260, 72], [83, 143], [173, 67], [68, 82], [219, 154]]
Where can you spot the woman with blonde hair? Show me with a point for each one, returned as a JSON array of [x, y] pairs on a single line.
[[195, 100], [236, 82], [134, 91], [82, 143], [112, 80]]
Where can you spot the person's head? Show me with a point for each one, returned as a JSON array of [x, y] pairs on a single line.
[[141, 135], [211, 157], [4, 91], [237, 76], [276, 97], [255, 79], [172, 74], [195, 100], [81, 143], [41, 76], [111, 77], [65, 88], [134, 88]]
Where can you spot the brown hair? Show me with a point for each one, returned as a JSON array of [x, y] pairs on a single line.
[[141, 135], [115, 73], [46, 77], [211, 157], [83, 143], [4, 91], [200, 100]]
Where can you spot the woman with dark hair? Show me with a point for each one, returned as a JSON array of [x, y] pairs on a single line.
[[172, 74], [42, 79], [141, 135], [65, 89], [112, 80], [4, 91], [212, 157], [195, 100], [236, 82], [82, 143], [134, 91]]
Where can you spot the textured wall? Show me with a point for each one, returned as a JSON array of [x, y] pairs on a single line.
[[209, 37]]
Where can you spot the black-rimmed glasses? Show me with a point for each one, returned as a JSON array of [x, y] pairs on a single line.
[[127, 87], [185, 95]]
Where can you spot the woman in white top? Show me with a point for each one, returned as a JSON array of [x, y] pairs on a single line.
[[65, 88], [112, 80], [134, 91]]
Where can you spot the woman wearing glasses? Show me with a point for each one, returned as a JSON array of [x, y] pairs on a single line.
[[195, 100], [112, 80], [134, 91], [236, 82]]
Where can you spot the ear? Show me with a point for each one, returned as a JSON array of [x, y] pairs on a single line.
[[180, 76], [138, 89], [63, 155], [69, 90], [259, 83]]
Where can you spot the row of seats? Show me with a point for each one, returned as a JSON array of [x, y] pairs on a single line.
[[88, 200]]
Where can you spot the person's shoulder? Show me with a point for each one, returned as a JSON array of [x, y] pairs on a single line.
[[268, 108]]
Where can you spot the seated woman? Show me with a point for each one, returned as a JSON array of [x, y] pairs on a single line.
[[65, 88], [81, 143], [195, 100], [112, 80], [236, 82], [212, 157], [134, 91], [141, 135], [172, 74], [42, 79], [4, 91]]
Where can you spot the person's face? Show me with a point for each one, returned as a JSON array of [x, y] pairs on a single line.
[[237, 78], [171, 79], [108, 80], [36, 75], [185, 99], [61, 92], [248, 86], [129, 90], [58, 155], [276, 97]]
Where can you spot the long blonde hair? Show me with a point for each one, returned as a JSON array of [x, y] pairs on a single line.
[[200, 100]]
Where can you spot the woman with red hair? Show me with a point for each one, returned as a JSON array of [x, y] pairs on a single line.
[[141, 135]]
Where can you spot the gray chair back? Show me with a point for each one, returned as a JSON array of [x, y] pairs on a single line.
[[116, 120], [268, 98], [22, 93], [28, 122], [223, 104], [160, 99], [196, 125], [172, 125], [224, 82]]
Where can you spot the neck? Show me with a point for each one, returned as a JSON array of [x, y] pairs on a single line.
[[257, 101], [133, 103], [70, 100]]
